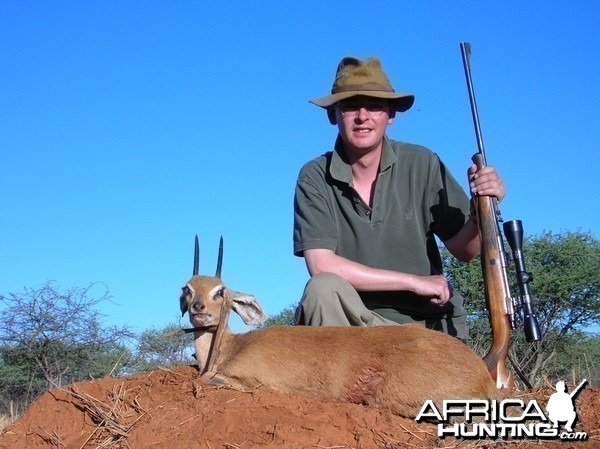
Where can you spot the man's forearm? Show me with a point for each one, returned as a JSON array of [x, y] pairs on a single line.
[[363, 278]]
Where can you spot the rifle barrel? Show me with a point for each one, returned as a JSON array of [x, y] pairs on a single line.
[[465, 49]]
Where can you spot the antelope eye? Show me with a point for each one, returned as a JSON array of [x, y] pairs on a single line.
[[186, 292]]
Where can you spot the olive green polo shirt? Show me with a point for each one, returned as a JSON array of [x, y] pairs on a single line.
[[415, 199]]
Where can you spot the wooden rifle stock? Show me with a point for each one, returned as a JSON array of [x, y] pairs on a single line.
[[493, 260], [497, 290]]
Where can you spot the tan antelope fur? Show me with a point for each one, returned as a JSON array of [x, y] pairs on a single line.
[[392, 367]]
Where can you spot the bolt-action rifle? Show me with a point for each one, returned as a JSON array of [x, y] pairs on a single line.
[[504, 309]]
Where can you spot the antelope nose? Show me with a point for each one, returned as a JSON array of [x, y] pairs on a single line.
[[197, 305]]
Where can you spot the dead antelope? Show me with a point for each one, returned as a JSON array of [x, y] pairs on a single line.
[[392, 367]]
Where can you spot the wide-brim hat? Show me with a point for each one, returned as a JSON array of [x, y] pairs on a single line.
[[367, 78]]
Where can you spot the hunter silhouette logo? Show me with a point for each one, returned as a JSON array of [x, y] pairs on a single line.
[[560, 405], [509, 418]]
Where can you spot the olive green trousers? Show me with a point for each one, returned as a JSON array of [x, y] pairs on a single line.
[[329, 300]]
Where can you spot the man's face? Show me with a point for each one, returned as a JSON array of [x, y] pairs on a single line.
[[362, 122]]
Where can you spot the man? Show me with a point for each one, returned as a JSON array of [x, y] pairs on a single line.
[[365, 215]]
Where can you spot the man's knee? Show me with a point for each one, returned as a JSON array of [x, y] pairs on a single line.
[[316, 288], [322, 285], [322, 299]]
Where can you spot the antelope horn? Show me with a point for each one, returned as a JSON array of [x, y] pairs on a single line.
[[220, 259], [196, 256]]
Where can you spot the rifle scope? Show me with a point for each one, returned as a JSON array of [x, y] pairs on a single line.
[[513, 231]]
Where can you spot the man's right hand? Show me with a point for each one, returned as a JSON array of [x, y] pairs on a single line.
[[434, 287]]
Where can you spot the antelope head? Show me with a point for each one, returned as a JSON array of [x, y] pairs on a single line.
[[206, 298]]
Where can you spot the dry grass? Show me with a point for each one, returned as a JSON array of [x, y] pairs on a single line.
[[14, 411], [114, 420], [5, 421]]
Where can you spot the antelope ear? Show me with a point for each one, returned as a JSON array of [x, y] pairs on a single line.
[[247, 307], [184, 299]]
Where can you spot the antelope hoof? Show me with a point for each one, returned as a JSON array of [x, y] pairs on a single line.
[[220, 380]]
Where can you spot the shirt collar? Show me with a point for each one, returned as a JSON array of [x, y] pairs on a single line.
[[340, 169]]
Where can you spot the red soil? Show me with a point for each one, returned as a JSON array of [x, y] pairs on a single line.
[[175, 409]]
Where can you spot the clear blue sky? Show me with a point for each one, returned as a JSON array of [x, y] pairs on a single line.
[[128, 127]]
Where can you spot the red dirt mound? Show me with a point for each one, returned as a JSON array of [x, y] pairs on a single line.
[[175, 409]]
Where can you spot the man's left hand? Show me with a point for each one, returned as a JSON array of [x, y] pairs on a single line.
[[485, 182]]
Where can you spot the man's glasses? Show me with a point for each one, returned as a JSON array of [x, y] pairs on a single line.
[[373, 107]]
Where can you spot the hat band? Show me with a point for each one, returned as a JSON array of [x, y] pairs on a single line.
[[361, 87]]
